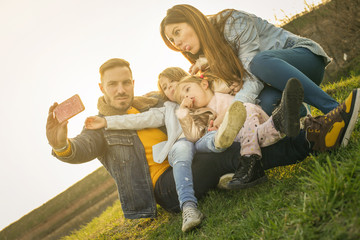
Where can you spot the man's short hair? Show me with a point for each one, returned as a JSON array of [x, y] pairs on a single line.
[[112, 63]]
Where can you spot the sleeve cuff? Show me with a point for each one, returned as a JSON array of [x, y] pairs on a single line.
[[182, 113], [63, 152]]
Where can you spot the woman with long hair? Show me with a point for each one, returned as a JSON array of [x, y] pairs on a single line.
[[245, 49]]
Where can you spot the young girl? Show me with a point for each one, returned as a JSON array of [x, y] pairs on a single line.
[[259, 130], [179, 150], [236, 43]]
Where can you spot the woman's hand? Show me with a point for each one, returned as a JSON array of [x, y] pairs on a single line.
[[95, 122], [235, 88], [200, 65]]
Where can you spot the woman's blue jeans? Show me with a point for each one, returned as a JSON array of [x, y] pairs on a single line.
[[276, 67]]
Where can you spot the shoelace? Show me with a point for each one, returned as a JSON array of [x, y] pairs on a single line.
[[312, 119], [189, 212], [313, 127], [327, 116], [244, 169]]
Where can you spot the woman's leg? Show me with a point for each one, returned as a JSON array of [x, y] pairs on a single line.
[[276, 67], [180, 158], [269, 99]]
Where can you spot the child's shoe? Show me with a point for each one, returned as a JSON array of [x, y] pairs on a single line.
[[286, 116], [248, 174], [233, 121], [192, 217], [334, 129]]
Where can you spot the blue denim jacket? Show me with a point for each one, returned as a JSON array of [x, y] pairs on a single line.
[[123, 155], [248, 35]]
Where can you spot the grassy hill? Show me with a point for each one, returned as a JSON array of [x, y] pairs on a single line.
[[335, 25], [68, 211], [300, 201], [318, 198]]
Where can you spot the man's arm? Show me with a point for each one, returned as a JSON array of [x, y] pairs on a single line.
[[83, 148]]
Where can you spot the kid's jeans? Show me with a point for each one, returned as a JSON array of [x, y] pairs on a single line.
[[180, 158]]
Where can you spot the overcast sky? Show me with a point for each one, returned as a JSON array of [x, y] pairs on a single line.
[[51, 50]]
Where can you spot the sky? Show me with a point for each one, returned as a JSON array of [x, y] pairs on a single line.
[[51, 50]]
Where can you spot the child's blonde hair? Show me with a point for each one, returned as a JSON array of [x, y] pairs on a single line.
[[195, 79], [172, 73]]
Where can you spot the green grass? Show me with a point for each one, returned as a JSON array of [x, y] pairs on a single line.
[[318, 198]]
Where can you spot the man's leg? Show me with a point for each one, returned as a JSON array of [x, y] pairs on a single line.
[[209, 167]]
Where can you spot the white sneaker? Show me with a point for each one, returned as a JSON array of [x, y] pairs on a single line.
[[192, 217]]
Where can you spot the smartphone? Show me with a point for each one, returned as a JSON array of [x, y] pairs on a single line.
[[69, 108]]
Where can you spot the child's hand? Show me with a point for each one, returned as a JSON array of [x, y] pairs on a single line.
[[95, 122], [200, 65], [187, 103], [215, 124]]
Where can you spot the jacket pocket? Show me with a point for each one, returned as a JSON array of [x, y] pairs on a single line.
[[120, 145]]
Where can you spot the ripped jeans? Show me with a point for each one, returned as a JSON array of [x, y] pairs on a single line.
[[180, 158]]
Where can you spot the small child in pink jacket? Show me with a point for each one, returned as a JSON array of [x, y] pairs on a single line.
[[259, 130]]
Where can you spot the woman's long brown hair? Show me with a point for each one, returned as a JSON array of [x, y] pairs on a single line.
[[221, 57]]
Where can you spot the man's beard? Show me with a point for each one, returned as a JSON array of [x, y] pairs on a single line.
[[124, 106]]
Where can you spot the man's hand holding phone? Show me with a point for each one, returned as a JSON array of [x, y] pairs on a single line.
[[56, 127]]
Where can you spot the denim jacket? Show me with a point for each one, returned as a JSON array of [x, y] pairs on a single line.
[[123, 155], [248, 35]]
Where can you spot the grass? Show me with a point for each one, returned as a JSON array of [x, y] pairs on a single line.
[[315, 199]]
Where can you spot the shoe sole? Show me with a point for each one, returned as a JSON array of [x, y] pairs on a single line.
[[248, 185], [224, 180], [233, 121], [353, 119], [294, 96]]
